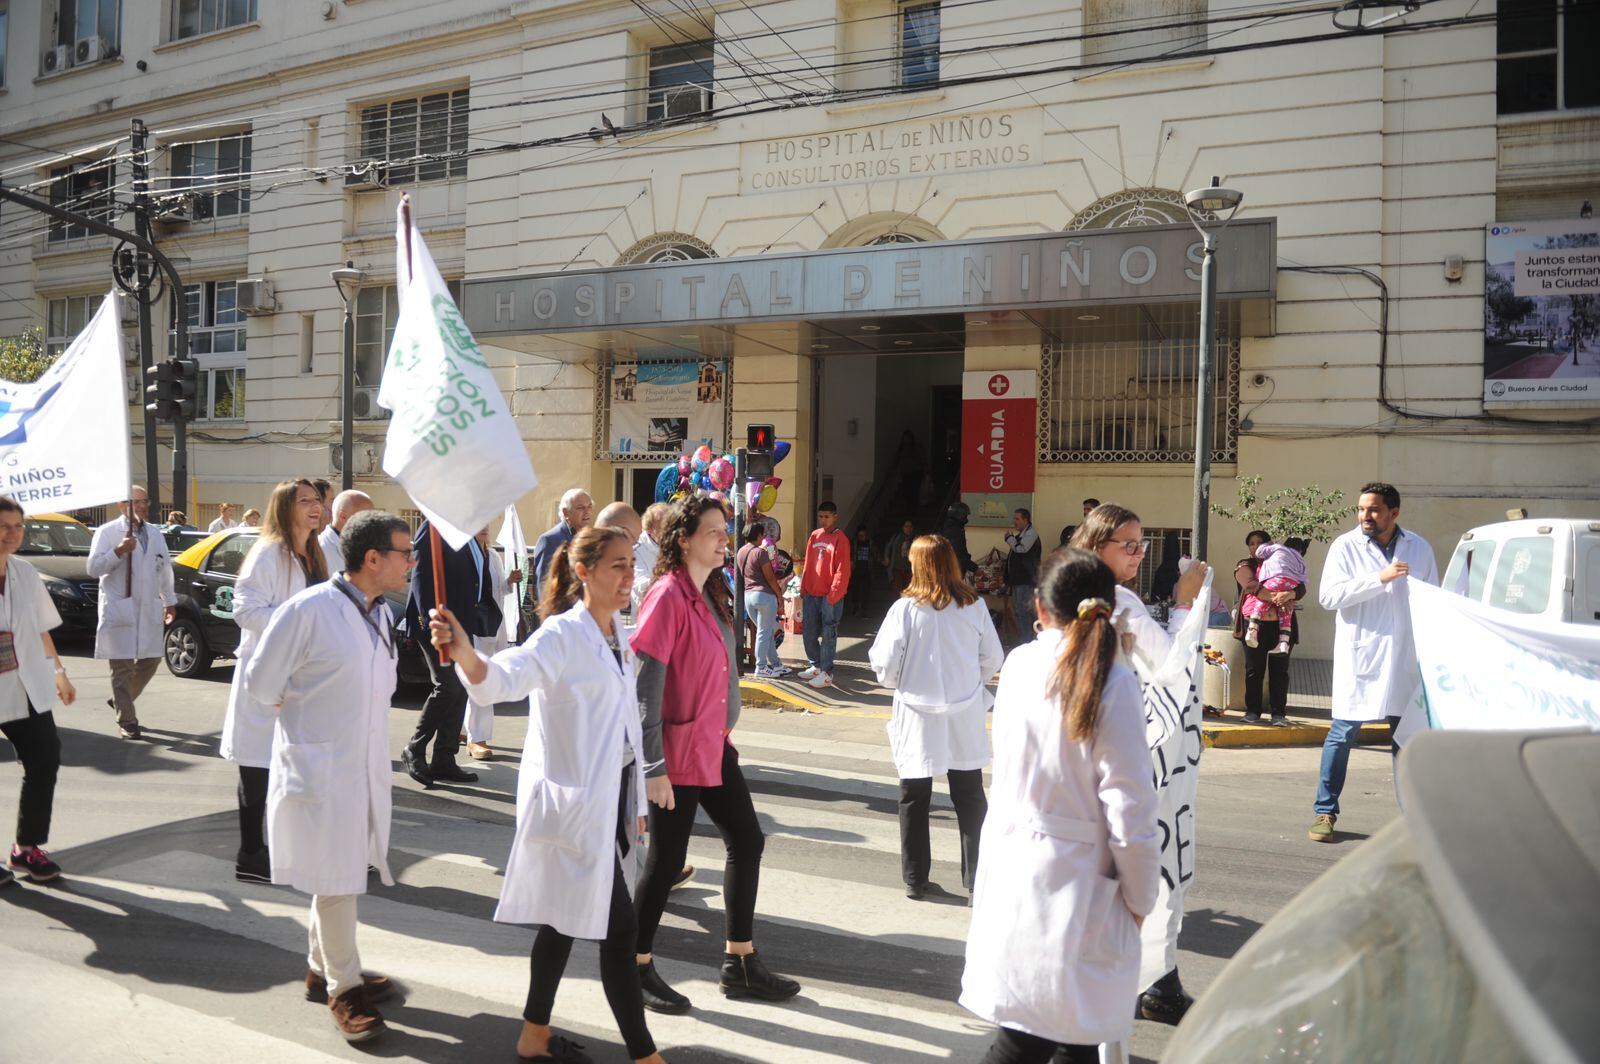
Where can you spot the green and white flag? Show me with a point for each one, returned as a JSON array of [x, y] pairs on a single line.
[[452, 443]]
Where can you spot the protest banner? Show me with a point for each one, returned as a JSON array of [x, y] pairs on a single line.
[[64, 438]]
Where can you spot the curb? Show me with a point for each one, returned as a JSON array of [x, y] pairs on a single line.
[[1215, 734]]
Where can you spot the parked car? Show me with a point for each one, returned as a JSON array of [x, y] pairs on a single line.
[[58, 546], [204, 629], [1545, 566], [180, 539]]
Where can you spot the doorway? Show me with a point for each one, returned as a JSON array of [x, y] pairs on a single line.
[[636, 485]]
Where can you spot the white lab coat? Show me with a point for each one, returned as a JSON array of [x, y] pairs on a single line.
[[1070, 845], [1151, 642], [131, 626], [332, 551], [222, 524], [583, 711], [646, 552], [938, 663], [328, 794], [1374, 658], [269, 577], [28, 611], [480, 716]]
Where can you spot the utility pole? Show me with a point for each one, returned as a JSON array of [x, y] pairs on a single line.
[[144, 295]]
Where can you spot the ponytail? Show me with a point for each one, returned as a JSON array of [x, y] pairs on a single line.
[[1076, 590]]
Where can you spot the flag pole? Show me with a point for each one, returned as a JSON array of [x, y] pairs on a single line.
[[435, 543]]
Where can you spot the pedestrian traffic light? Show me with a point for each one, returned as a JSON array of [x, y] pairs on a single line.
[[759, 437], [758, 461], [160, 395], [185, 386]]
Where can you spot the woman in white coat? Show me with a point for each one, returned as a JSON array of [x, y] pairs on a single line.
[[1071, 853], [1115, 534], [285, 561], [480, 717], [580, 803], [936, 650]]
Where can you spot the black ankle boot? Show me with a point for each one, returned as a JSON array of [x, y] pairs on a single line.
[[748, 976], [1165, 1001], [658, 996]]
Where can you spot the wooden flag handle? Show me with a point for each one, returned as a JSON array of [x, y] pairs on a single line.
[[436, 555]]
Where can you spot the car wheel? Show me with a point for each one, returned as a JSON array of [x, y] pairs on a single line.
[[185, 649]]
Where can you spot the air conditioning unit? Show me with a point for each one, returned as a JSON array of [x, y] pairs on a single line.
[[686, 101], [255, 296], [58, 59], [89, 50], [176, 213], [367, 179], [365, 405], [363, 459]]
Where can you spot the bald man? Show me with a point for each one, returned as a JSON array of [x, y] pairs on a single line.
[[621, 515], [346, 505]]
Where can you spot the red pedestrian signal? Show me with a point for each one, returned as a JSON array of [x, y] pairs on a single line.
[[759, 438]]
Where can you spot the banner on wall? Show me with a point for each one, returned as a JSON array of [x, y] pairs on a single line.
[[999, 442], [1485, 668], [666, 407], [1541, 313]]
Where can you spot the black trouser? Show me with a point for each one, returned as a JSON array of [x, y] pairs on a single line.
[[860, 591], [966, 793], [38, 747], [443, 714], [252, 808], [618, 974], [1015, 1047], [1274, 668], [731, 810]]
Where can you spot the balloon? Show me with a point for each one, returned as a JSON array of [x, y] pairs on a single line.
[[702, 457], [685, 466], [768, 496], [717, 495], [665, 483], [775, 482], [720, 473], [780, 451], [752, 492]]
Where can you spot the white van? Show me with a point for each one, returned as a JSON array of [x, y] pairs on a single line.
[[1548, 567]]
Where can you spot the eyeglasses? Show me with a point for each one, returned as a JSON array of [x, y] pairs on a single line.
[[1131, 546], [410, 553]]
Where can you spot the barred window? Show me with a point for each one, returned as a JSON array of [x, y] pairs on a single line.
[[1121, 388], [204, 166], [681, 76], [399, 131]]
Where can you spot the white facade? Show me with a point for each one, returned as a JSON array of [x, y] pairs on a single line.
[[1378, 151]]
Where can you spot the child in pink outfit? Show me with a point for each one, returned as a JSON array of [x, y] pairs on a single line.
[[1283, 568]]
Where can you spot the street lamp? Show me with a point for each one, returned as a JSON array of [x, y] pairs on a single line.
[[348, 280], [1210, 202]]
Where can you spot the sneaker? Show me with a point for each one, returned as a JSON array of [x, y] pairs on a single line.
[[253, 867], [33, 863], [1280, 722], [767, 674], [354, 1015], [808, 673], [683, 877], [1281, 648], [1322, 828], [130, 731], [821, 680], [1250, 718], [782, 670]]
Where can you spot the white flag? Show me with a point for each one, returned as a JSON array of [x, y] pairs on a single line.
[[64, 438], [452, 443], [512, 541]]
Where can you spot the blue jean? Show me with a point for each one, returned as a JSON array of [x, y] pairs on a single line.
[[821, 630], [762, 607], [1342, 737], [1022, 610]]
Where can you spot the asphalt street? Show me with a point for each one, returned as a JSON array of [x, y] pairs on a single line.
[[147, 949]]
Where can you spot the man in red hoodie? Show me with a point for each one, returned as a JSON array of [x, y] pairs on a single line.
[[823, 583]]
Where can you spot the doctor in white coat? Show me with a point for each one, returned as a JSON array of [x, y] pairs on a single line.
[[325, 668], [137, 601], [1366, 578], [345, 505], [480, 717], [580, 802], [1071, 851], [937, 649], [285, 561]]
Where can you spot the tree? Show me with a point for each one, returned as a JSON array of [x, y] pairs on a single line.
[[22, 358], [1306, 513]]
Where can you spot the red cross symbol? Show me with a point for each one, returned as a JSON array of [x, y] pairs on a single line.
[[999, 384]]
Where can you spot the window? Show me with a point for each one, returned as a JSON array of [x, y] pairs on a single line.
[[919, 44], [399, 131], [377, 310], [66, 319], [84, 20], [1474, 555], [681, 76], [1545, 61], [192, 18], [1116, 31], [1522, 574], [5, 17], [666, 247], [217, 340], [200, 165], [86, 189], [229, 555]]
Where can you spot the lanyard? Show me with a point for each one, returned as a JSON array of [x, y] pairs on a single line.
[[366, 615]]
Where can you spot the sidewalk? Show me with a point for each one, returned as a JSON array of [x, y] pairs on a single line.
[[856, 693]]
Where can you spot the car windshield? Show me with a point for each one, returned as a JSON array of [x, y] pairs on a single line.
[[55, 537]]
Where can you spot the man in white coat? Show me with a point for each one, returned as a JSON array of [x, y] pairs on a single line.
[[647, 551], [224, 519], [346, 505], [137, 602], [327, 663], [1366, 579]]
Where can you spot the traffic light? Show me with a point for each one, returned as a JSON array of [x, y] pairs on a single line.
[[160, 394], [185, 386], [758, 445], [759, 437]]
